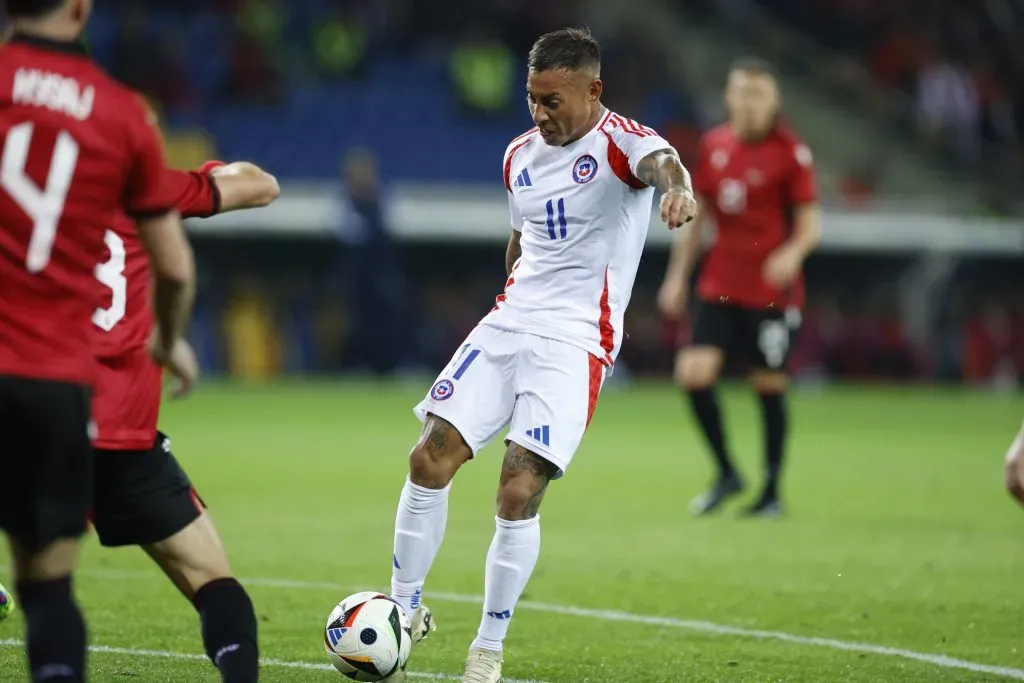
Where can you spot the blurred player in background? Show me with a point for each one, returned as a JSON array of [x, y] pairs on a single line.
[[580, 188], [756, 178], [1014, 470], [142, 495], [75, 148]]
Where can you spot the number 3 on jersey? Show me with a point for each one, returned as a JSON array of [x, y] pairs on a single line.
[[111, 273], [44, 206]]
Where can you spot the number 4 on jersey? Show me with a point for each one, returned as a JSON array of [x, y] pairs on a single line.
[[44, 206]]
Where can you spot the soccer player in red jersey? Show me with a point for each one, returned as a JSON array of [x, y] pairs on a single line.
[[75, 148], [756, 178], [1014, 471], [142, 495]]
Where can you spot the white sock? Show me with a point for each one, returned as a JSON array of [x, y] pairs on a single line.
[[419, 530], [510, 562]]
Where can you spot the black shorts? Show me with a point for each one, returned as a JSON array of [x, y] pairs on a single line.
[[45, 460], [762, 337], [142, 496]]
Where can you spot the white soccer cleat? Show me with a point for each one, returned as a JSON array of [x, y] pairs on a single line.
[[423, 625], [482, 666]]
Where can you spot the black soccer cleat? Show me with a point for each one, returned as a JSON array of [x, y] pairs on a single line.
[[767, 507], [712, 499]]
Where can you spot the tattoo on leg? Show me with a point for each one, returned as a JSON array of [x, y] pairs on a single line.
[[518, 459], [435, 437]]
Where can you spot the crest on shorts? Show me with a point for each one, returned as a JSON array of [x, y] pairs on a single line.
[[584, 170], [443, 390]]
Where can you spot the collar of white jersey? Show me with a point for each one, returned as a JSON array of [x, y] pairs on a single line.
[[600, 124]]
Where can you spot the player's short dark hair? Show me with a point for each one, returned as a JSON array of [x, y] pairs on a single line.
[[754, 65], [31, 9], [567, 48]]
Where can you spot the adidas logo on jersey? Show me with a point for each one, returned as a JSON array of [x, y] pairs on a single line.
[[523, 179], [541, 434]]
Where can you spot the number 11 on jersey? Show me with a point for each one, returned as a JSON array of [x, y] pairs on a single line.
[[563, 225]]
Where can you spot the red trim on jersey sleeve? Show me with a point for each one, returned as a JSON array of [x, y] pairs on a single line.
[[596, 377], [515, 145], [529, 132], [604, 324], [632, 127], [619, 163]]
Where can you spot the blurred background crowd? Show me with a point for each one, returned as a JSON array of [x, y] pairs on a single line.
[[914, 110]]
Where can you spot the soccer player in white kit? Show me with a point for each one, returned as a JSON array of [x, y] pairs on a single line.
[[580, 188]]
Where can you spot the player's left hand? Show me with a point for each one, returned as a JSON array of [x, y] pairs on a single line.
[[183, 365], [678, 207], [782, 267]]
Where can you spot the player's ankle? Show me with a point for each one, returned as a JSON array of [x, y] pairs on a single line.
[[487, 645]]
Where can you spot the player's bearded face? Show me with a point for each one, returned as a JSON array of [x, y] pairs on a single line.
[[753, 102], [562, 103]]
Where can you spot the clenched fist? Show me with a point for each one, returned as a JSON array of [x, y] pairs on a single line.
[[678, 206]]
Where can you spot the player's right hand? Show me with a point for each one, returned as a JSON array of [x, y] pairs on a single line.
[[672, 299], [182, 364], [678, 207]]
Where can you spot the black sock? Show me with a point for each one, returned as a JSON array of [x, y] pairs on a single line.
[[773, 411], [229, 630], [704, 404], [55, 630]]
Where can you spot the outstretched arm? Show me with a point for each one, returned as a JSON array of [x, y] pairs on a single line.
[[663, 169], [243, 185], [513, 251]]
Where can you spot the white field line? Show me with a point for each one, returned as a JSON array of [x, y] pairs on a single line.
[[282, 663], [938, 660]]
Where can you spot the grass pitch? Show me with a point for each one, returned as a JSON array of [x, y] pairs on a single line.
[[898, 536]]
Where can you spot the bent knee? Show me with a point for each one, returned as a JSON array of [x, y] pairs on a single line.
[[524, 479], [438, 455], [193, 557], [698, 368]]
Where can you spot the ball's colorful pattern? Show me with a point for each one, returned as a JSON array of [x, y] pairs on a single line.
[[6, 603]]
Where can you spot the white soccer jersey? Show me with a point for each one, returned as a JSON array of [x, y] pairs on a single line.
[[583, 215]]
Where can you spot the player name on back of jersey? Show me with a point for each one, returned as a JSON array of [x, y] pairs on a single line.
[[37, 88]]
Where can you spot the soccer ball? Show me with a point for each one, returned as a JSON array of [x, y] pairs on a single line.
[[6, 603], [368, 637]]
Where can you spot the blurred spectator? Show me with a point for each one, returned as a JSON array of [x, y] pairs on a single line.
[[482, 69], [963, 63], [990, 355], [373, 272], [158, 73], [340, 43], [948, 106], [858, 187], [264, 21], [135, 62], [252, 78]]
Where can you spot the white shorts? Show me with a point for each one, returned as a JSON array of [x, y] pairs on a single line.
[[545, 390]]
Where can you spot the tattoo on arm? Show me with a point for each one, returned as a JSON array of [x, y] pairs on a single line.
[[518, 459], [663, 169], [513, 251]]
